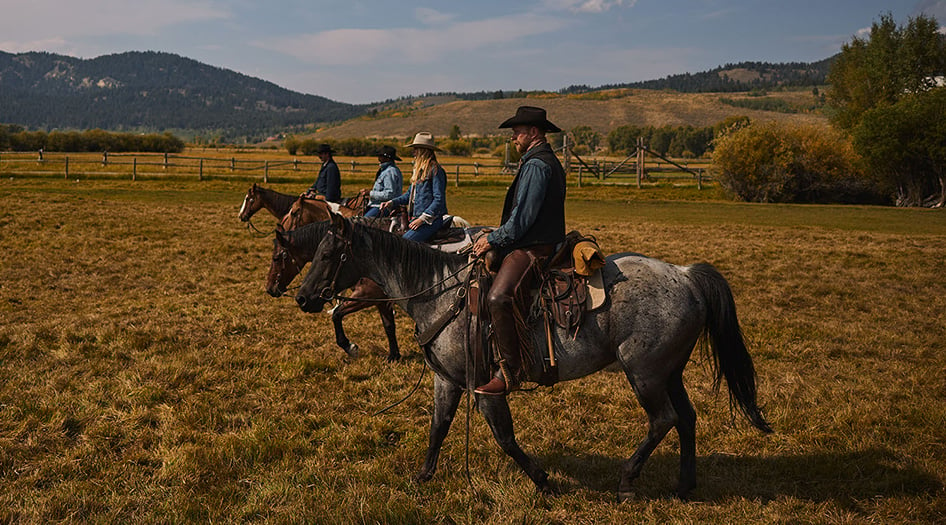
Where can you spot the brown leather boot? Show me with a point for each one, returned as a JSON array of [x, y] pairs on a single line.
[[501, 384]]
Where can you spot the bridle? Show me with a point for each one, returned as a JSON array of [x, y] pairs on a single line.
[[328, 292], [285, 253]]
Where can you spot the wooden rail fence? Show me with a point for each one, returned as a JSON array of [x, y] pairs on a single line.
[[133, 165]]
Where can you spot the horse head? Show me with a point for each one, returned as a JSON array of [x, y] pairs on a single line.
[[251, 203], [285, 266], [332, 267]]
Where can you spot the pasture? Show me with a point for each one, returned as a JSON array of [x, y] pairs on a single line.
[[145, 375]]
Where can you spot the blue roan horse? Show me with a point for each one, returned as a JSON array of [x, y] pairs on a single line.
[[653, 318]]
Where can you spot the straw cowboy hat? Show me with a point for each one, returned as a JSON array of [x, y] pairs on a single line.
[[423, 140], [387, 151], [530, 116]]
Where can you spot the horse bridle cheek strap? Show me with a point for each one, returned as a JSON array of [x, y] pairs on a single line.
[[432, 331], [328, 292]]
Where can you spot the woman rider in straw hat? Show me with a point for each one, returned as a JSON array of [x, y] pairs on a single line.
[[426, 199]]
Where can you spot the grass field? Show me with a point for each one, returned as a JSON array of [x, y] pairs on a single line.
[[146, 377]]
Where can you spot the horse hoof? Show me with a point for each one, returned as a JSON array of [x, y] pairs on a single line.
[[625, 496], [352, 351], [423, 477], [394, 358]]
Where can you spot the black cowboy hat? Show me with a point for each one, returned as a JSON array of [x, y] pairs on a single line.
[[325, 148], [387, 151], [530, 116]]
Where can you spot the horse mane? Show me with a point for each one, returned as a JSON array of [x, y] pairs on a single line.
[[308, 234], [278, 200], [420, 258]]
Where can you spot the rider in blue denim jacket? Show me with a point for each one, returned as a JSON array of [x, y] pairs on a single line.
[[427, 197], [388, 182]]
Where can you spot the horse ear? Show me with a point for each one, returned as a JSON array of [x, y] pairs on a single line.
[[280, 235], [338, 220]]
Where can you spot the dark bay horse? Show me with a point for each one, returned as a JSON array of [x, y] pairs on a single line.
[[293, 247], [654, 316]]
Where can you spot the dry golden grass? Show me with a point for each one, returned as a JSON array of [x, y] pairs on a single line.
[[146, 376]]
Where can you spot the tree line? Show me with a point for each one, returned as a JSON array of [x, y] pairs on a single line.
[[15, 138]]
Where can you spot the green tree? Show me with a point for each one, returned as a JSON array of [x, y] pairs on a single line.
[[585, 136], [904, 147], [892, 62], [455, 132]]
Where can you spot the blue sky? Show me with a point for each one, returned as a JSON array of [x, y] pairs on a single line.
[[367, 50]]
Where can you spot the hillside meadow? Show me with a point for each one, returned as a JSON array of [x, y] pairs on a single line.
[[146, 377], [602, 111]]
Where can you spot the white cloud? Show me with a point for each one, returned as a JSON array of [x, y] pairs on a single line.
[[587, 6], [409, 45], [431, 17]]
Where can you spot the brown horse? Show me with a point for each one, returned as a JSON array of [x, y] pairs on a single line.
[[279, 204], [258, 197]]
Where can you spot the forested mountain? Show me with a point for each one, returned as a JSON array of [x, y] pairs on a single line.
[[744, 76], [149, 91]]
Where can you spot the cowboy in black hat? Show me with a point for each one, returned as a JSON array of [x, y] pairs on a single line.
[[388, 182], [329, 182], [533, 222]]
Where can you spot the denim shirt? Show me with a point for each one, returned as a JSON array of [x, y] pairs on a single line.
[[387, 185], [430, 197], [534, 180]]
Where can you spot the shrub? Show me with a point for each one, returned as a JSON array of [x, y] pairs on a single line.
[[779, 163]]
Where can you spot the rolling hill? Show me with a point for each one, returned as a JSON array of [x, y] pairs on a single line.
[[602, 111]]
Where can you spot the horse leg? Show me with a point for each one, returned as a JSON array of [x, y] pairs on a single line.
[[686, 429], [662, 417], [386, 310], [341, 339], [446, 399], [496, 411]]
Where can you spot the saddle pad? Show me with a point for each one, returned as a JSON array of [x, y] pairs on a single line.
[[596, 293]]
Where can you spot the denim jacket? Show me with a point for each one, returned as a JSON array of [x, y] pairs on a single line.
[[534, 180], [388, 184], [430, 197]]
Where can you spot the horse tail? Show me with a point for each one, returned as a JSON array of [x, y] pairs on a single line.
[[730, 357]]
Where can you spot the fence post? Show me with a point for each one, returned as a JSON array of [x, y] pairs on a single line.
[[67, 166], [699, 179], [266, 171], [476, 169], [579, 175], [458, 176], [353, 165], [295, 164], [40, 155], [565, 153], [134, 168], [165, 160], [232, 163], [200, 173], [104, 158]]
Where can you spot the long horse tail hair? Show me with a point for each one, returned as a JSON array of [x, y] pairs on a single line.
[[730, 357]]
